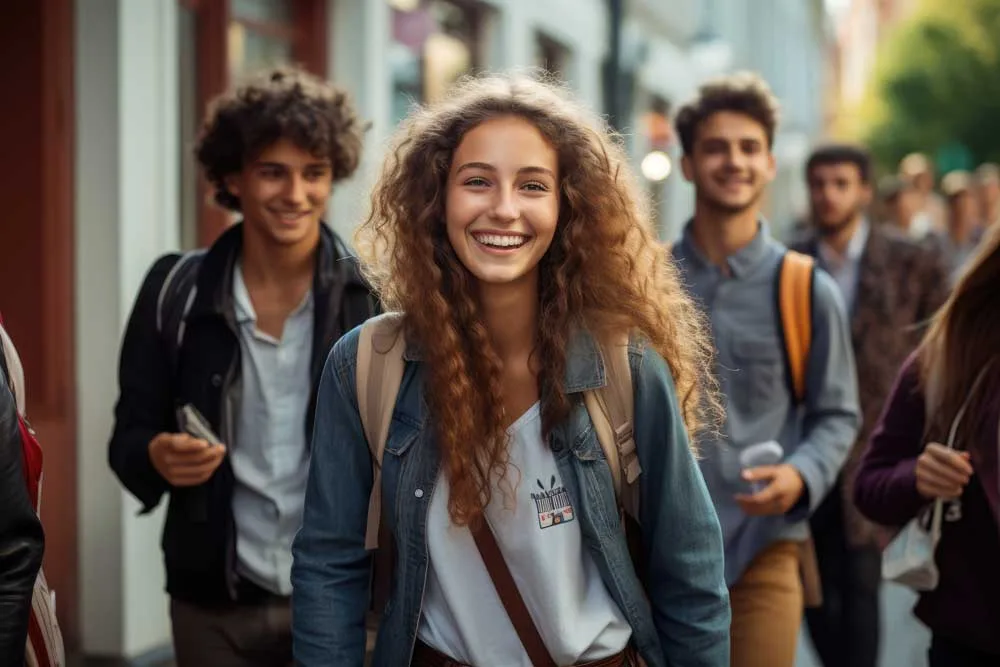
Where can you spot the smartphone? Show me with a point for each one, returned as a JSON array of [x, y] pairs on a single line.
[[761, 454], [193, 423]]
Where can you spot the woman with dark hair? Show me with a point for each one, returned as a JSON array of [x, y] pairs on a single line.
[[905, 467], [508, 231], [21, 539]]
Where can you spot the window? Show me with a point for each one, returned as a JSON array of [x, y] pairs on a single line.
[[551, 55], [260, 34], [220, 41], [434, 43]]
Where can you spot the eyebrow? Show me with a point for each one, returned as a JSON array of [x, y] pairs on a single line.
[[267, 163], [489, 167]]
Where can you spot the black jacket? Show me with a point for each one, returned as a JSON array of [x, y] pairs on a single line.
[[199, 537], [21, 539]]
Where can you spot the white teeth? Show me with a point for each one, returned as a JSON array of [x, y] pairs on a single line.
[[501, 240]]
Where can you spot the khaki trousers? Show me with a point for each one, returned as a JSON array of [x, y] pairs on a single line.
[[767, 606]]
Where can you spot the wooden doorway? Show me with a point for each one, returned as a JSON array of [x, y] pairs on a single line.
[[36, 274]]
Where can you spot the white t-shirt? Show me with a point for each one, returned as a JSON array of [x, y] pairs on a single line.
[[542, 544]]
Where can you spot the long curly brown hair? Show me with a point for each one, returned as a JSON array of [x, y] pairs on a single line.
[[604, 272]]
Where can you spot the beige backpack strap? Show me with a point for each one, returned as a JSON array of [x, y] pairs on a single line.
[[379, 374], [611, 410]]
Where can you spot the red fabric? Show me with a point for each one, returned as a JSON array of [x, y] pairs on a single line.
[[31, 452]]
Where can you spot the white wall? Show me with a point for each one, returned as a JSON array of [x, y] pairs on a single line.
[[126, 215]]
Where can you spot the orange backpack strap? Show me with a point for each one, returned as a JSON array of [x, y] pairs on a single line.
[[379, 374], [795, 284]]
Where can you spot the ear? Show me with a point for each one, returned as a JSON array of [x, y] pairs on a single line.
[[232, 184], [687, 168], [772, 166], [866, 194]]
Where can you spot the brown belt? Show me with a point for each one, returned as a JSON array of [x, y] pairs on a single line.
[[427, 656]]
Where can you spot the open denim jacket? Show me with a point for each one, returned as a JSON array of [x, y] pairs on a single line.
[[679, 618]]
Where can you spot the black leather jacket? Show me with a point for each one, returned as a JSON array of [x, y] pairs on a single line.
[[21, 539]]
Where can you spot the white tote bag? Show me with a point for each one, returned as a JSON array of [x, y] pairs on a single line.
[[909, 558]]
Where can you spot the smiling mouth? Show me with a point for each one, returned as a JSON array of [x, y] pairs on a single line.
[[290, 216], [501, 241], [733, 182]]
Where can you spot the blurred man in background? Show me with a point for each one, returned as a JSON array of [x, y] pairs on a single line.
[[930, 208], [988, 192], [890, 285], [964, 222]]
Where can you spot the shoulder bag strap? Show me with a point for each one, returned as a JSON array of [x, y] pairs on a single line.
[[510, 596], [936, 517]]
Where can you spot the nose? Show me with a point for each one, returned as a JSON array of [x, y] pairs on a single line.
[[505, 207], [735, 157], [295, 192]]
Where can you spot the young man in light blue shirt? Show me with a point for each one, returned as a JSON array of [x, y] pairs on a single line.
[[730, 262]]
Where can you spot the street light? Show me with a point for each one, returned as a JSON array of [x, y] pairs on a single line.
[[656, 166]]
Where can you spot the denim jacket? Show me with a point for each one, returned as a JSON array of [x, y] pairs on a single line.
[[679, 618]]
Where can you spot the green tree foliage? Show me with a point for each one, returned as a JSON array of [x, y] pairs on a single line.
[[937, 84]]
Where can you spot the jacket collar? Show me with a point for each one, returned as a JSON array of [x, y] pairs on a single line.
[[584, 361], [214, 295]]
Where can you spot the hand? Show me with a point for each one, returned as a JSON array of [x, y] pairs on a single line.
[[942, 472], [785, 487], [184, 460]]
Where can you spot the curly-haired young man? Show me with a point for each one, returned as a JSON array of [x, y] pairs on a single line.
[[732, 265], [220, 364]]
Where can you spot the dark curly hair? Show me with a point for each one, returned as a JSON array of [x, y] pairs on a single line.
[[275, 104], [743, 92], [604, 271]]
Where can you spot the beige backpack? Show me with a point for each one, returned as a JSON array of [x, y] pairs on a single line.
[[379, 374]]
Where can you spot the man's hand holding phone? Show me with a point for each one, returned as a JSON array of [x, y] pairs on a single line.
[[187, 459], [184, 460]]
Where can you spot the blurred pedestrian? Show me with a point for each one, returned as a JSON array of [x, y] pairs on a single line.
[[907, 464], [988, 193], [22, 541], [964, 229], [900, 202], [891, 286], [790, 419], [931, 213], [509, 235], [220, 362]]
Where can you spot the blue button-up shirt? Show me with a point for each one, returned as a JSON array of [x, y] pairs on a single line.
[[815, 436]]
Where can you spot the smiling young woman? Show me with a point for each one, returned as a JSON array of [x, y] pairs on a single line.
[[507, 230]]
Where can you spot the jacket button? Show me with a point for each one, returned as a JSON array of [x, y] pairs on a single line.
[[216, 380], [419, 493]]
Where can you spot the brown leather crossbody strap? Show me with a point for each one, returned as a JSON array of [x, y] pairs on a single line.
[[511, 598]]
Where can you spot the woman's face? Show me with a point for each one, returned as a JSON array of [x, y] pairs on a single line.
[[502, 200]]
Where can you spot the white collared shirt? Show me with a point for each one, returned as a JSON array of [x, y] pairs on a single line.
[[845, 269], [270, 457]]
